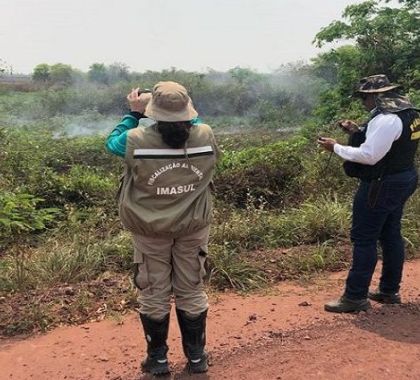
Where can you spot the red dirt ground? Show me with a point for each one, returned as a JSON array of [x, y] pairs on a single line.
[[282, 334]]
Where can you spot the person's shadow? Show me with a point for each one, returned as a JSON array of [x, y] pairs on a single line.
[[394, 322]]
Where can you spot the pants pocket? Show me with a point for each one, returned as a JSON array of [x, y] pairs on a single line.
[[141, 277], [202, 259], [120, 188], [375, 192]]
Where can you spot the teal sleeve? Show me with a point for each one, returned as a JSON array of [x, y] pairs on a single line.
[[196, 121], [116, 142]]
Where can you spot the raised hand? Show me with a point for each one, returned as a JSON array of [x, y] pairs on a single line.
[[138, 102]]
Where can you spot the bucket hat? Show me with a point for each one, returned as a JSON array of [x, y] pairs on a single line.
[[375, 84], [170, 102]]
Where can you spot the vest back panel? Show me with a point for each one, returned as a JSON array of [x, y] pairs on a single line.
[[167, 191]]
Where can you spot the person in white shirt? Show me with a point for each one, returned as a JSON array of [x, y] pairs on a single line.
[[381, 154]]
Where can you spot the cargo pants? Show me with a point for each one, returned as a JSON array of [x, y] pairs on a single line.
[[171, 266]]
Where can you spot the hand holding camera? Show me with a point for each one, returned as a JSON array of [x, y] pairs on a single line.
[[138, 99], [348, 126], [327, 143]]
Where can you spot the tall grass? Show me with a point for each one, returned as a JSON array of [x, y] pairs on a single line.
[[314, 221], [411, 224], [230, 269]]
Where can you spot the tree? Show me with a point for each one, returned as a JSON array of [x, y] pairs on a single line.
[[342, 67], [98, 73], [385, 41], [244, 76], [41, 73], [4, 66], [388, 38], [61, 74], [118, 72], [242, 91]]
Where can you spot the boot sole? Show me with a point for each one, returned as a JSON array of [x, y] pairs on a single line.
[[197, 369], [158, 371]]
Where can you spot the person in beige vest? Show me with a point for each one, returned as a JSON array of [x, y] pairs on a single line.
[[165, 200]]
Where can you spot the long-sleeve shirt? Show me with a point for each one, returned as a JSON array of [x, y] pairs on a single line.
[[381, 132], [116, 142]]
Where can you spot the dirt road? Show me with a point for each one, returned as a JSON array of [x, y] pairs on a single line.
[[282, 334]]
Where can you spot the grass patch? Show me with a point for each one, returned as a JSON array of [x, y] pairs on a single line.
[[229, 269], [314, 259], [314, 221], [42, 309], [411, 225], [35, 316]]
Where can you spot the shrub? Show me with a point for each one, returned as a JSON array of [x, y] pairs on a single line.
[[266, 173], [20, 214], [86, 186]]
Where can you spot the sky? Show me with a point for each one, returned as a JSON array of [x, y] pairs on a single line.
[[158, 34]]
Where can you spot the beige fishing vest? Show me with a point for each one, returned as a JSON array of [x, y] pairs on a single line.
[[166, 191]]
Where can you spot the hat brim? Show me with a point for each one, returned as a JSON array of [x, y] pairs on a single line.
[[378, 90], [154, 112]]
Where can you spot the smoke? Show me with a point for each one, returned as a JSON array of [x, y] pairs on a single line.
[[89, 125], [237, 100], [289, 93], [85, 128]]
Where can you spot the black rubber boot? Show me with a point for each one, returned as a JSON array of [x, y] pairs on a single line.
[[193, 331], [386, 298], [156, 334]]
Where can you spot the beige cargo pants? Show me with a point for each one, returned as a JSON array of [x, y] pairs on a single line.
[[166, 266]]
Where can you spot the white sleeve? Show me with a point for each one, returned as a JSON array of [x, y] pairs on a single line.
[[382, 131]]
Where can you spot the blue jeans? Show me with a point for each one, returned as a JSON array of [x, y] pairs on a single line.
[[381, 221]]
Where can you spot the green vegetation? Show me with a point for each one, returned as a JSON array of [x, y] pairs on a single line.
[[387, 41], [282, 207]]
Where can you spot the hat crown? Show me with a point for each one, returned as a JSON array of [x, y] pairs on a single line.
[[375, 83], [170, 96], [170, 102]]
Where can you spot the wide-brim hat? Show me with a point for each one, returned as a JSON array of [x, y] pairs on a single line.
[[375, 84], [170, 102]]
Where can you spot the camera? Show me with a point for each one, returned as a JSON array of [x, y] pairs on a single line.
[[144, 91]]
